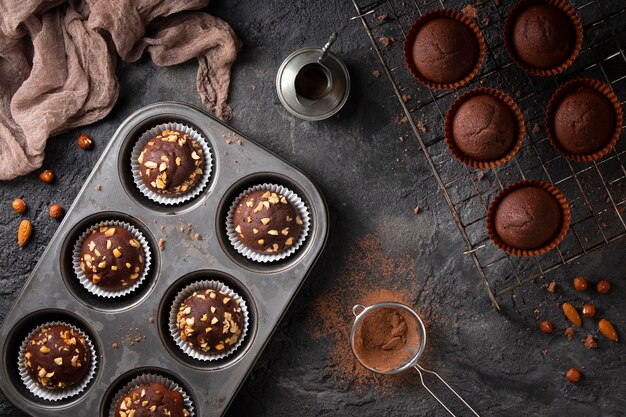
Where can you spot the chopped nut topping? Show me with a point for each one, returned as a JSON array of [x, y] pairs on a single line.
[[110, 232], [117, 253], [273, 232], [265, 220]]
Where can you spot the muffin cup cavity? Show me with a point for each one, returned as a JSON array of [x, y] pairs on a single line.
[[188, 291], [410, 38], [169, 199], [510, 103], [556, 99], [293, 199], [88, 284], [147, 379], [562, 5], [565, 221], [56, 395]]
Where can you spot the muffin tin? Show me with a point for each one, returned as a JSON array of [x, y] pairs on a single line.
[[130, 333]]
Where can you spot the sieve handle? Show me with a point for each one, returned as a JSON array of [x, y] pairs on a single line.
[[419, 370], [358, 309]]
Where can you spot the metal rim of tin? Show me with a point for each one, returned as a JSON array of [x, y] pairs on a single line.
[[303, 116]]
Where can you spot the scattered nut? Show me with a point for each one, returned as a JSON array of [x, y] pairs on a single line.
[[161, 244], [85, 142], [24, 231], [46, 176], [580, 283], [569, 333], [18, 205], [603, 286], [573, 375], [572, 315], [589, 310], [545, 327], [56, 211], [590, 342], [607, 330]]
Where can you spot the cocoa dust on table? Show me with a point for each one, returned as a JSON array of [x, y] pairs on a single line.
[[367, 276]]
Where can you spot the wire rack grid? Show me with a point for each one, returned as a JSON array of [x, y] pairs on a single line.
[[596, 191]]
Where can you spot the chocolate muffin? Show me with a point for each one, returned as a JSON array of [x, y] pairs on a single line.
[[528, 218], [151, 400], [267, 222], [484, 128], [57, 357], [584, 121], [210, 321], [445, 50], [543, 36], [171, 163], [112, 258]]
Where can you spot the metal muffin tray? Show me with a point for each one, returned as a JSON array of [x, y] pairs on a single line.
[[131, 334]]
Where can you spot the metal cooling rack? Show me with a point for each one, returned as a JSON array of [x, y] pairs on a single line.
[[596, 191]]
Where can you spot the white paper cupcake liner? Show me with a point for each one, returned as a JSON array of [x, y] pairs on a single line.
[[294, 199], [50, 394], [147, 379], [192, 192], [201, 286], [103, 292]]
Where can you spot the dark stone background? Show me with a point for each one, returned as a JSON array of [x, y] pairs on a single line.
[[372, 181]]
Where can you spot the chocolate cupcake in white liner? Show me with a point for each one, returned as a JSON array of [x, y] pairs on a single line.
[[111, 259], [144, 393], [267, 223], [208, 320], [171, 163], [56, 361]]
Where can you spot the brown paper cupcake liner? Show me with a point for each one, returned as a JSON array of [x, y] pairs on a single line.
[[60, 394], [508, 43], [555, 192], [419, 23], [475, 163], [556, 99]]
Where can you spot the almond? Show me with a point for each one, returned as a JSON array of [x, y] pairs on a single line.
[[572, 315], [607, 329], [24, 231]]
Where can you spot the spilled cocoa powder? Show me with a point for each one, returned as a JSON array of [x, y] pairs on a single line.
[[368, 275], [386, 339]]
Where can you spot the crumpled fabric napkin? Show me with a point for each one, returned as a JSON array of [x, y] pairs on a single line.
[[57, 63]]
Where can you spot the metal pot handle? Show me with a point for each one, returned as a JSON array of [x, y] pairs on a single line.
[[326, 47]]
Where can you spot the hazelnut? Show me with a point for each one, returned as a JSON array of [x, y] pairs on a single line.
[[85, 142], [603, 286], [580, 283], [545, 327], [18, 206], [573, 375], [46, 176], [56, 211], [589, 310]]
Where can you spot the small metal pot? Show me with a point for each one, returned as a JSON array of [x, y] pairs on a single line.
[[329, 97]]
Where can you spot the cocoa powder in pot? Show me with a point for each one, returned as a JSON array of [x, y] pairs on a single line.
[[386, 338]]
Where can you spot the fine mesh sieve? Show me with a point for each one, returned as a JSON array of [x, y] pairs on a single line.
[[419, 344]]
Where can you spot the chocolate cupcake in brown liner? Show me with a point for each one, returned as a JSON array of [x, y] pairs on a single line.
[[528, 218], [484, 128], [433, 34], [543, 37], [584, 119]]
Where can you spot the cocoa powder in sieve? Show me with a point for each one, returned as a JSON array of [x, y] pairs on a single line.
[[386, 339]]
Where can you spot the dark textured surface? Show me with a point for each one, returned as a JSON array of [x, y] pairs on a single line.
[[372, 181]]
